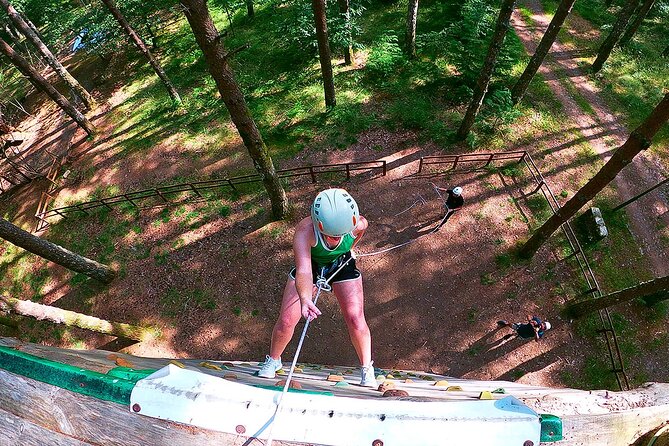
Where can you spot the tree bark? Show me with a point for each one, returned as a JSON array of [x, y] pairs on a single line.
[[55, 253], [611, 40], [210, 42], [639, 140], [634, 27], [563, 10], [412, 17], [72, 319], [488, 66], [134, 37], [324, 51], [62, 72], [644, 289], [152, 35], [249, 8], [12, 32], [41, 84], [344, 10]]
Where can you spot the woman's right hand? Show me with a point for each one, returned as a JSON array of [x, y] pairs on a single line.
[[309, 310]]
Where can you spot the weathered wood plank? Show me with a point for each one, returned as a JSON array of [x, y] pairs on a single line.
[[612, 429], [594, 418], [20, 432], [98, 422]]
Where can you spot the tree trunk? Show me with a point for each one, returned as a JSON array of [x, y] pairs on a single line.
[[488, 66], [249, 8], [65, 75], [152, 35], [142, 47], [72, 319], [216, 57], [412, 17], [639, 140], [547, 41], [643, 12], [12, 32], [611, 40], [346, 16], [324, 52], [41, 84], [55, 253], [644, 289]]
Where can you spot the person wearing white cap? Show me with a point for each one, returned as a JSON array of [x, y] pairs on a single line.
[[534, 328], [454, 201], [322, 247]]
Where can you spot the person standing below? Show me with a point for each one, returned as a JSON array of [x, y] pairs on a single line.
[[454, 201], [534, 328], [321, 245]]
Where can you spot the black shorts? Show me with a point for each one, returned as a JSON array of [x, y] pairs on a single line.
[[348, 272]]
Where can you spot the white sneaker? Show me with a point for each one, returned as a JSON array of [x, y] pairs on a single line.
[[367, 376], [269, 368]]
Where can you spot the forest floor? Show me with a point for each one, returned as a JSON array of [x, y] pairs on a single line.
[[432, 305], [603, 130]]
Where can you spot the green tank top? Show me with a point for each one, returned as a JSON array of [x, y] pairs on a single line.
[[322, 255]]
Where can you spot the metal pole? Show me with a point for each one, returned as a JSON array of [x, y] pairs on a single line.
[[622, 205]]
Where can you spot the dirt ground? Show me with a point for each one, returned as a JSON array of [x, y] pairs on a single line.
[[431, 305]]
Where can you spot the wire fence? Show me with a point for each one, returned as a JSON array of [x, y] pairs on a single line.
[[196, 190], [483, 160]]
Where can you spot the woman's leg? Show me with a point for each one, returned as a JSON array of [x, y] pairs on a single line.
[[351, 300]]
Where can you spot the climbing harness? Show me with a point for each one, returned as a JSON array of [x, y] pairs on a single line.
[[323, 284]]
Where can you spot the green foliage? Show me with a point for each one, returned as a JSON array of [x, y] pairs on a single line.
[[351, 118], [634, 77], [92, 25], [386, 57], [487, 279], [539, 207], [504, 260], [470, 38], [300, 32], [616, 249], [413, 112]]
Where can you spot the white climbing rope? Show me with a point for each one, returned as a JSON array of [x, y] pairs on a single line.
[[323, 285], [383, 251]]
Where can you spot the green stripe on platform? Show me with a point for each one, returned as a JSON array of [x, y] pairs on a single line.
[[75, 379], [293, 390], [130, 374]]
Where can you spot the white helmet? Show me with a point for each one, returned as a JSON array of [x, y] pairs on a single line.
[[334, 212], [457, 191], [548, 325]]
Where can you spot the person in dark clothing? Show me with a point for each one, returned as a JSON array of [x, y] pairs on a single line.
[[454, 201], [534, 328]]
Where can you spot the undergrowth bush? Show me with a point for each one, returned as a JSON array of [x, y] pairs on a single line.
[[300, 31], [350, 118], [386, 57], [469, 39], [413, 112]]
